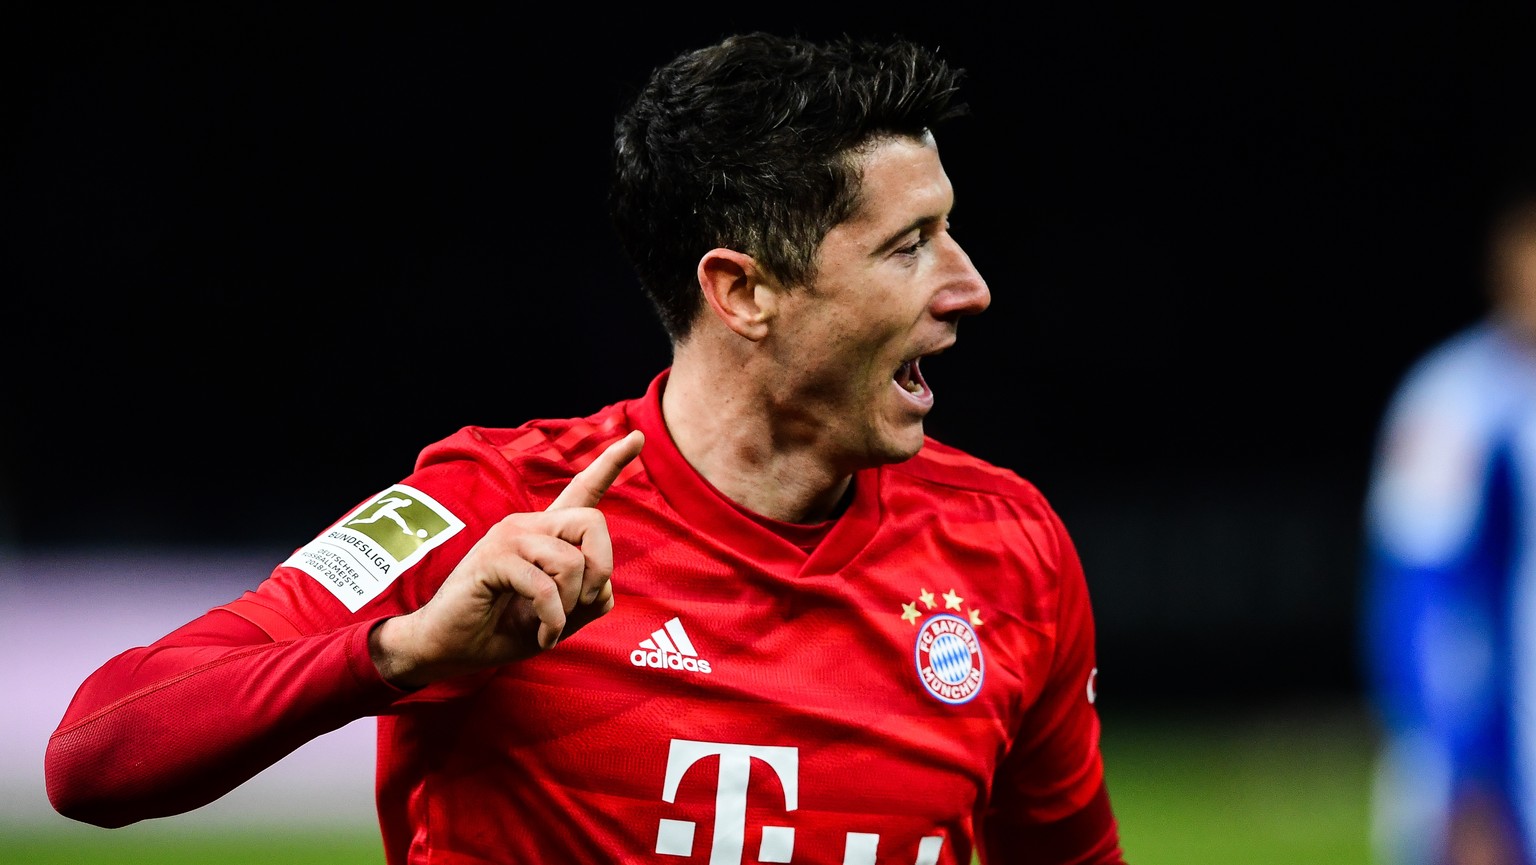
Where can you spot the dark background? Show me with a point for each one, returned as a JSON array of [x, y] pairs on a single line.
[[256, 257]]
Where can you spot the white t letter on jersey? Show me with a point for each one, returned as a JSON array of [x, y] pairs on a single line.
[[675, 838]]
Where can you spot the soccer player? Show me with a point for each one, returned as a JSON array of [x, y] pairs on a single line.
[[753, 614], [1451, 603]]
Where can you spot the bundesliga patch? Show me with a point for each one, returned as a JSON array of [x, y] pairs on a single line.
[[360, 556], [946, 649]]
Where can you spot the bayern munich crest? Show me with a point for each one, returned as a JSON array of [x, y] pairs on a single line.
[[947, 650]]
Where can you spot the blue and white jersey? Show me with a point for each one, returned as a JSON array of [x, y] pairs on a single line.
[[1450, 604]]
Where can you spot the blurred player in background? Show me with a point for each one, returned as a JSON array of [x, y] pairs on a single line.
[[1451, 604], [827, 638]]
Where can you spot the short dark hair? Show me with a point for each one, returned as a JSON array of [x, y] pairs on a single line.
[[751, 144]]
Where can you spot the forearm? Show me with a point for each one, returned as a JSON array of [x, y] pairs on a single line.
[[167, 728]]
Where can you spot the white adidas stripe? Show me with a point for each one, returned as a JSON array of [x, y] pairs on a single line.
[[671, 638]]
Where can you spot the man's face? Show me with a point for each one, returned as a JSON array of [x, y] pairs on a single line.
[[891, 286], [1516, 277]]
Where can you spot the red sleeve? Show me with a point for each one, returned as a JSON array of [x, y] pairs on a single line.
[[165, 728], [1088, 837], [1049, 804]]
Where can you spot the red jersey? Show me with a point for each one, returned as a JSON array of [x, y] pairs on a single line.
[[915, 688]]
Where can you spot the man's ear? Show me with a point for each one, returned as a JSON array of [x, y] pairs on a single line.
[[736, 290]]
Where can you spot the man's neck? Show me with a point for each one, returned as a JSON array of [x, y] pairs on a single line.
[[726, 429]]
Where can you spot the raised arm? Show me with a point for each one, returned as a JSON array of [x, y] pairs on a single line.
[[165, 728]]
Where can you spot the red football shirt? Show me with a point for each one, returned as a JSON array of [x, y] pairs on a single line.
[[920, 681]]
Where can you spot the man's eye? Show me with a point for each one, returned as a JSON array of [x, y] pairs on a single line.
[[913, 247]]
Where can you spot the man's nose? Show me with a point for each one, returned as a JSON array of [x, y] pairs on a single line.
[[965, 292]]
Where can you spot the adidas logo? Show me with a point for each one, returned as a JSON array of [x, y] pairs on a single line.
[[669, 648]]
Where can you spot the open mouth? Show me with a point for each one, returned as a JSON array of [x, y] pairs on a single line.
[[910, 376]]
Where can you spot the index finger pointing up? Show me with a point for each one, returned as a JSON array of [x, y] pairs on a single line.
[[586, 489]]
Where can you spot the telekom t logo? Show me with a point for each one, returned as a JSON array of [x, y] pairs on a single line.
[[675, 837]]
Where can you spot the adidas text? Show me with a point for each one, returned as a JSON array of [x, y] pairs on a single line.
[[667, 661]]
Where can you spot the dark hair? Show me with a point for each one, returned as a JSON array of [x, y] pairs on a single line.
[[751, 144]]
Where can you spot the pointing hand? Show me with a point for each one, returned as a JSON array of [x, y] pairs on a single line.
[[531, 580]]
